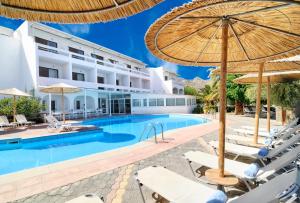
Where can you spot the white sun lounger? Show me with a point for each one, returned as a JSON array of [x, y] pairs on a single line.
[[247, 132], [238, 169], [245, 140], [280, 129], [172, 186], [53, 123], [269, 191], [21, 119], [252, 152], [178, 189], [279, 134]]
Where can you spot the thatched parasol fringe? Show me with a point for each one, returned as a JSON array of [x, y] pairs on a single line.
[[73, 11], [280, 27]]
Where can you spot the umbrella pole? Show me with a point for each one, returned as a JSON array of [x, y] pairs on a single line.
[[14, 108], [63, 105], [258, 97], [223, 96], [268, 104]]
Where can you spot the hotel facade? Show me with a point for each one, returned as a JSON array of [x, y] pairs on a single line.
[[35, 55]]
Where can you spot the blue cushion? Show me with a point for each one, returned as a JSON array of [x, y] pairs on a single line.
[[217, 197], [263, 152], [252, 170]]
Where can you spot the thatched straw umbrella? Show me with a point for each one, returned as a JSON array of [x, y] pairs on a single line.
[[60, 88], [213, 32], [268, 78], [14, 92], [279, 65], [270, 66], [73, 11]]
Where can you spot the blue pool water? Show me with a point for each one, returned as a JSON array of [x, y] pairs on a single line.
[[113, 133]]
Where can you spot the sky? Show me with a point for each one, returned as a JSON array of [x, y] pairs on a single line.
[[127, 37]]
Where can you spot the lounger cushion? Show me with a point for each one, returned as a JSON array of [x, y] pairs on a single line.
[[263, 152], [252, 170], [217, 197], [268, 141]]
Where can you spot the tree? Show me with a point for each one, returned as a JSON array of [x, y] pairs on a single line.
[[285, 95], [29, 106], [236, 93], [188, 90], [210, 95]]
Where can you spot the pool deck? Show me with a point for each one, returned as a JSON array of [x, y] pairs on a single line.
[[41, 179]]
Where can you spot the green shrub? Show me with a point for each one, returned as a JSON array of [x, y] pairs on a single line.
[[29, 106], [198, 109]]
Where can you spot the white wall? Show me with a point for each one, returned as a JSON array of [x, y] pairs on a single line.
[[10, 63]]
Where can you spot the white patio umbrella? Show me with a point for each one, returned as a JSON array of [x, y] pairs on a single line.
[[61, 88], [14, 92]]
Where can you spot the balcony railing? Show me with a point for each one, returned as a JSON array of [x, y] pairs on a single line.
[[89, 59]]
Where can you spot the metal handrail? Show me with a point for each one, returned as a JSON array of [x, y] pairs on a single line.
[[162, 129], [152, 125]]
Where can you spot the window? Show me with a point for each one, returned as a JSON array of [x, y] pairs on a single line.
[[152, 102], [160, 102], [170, 102], [77, 51], [136, 102], [101, 88], [77, 76], [166, 78], [117, 82], [180, 102], [77, 105], [48, 72], [189, 101], [128, 66], [113, 61], [53, 107], [100, 80], [101, 58], [144, 102], [45, 42]]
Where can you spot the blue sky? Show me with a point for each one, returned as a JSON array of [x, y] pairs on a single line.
[[126, 36]]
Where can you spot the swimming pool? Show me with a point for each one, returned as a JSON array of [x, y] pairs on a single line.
[[113, 133]]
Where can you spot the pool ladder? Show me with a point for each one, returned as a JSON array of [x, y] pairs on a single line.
[[153, 126]]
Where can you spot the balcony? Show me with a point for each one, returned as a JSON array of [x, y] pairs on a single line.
[[55, 53], [44, 81]]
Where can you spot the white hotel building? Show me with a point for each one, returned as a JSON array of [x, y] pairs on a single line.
[[35, 55]]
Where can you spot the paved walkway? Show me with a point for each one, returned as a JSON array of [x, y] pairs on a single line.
[[119, 185]]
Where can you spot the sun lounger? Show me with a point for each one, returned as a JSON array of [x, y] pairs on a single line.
[[245, 140], [238, 169], [21, 119], [279, 129], [172, 186], [5, 123], [53, 123], [254, 152], [178, 189], [284, 131], [271, 190]]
